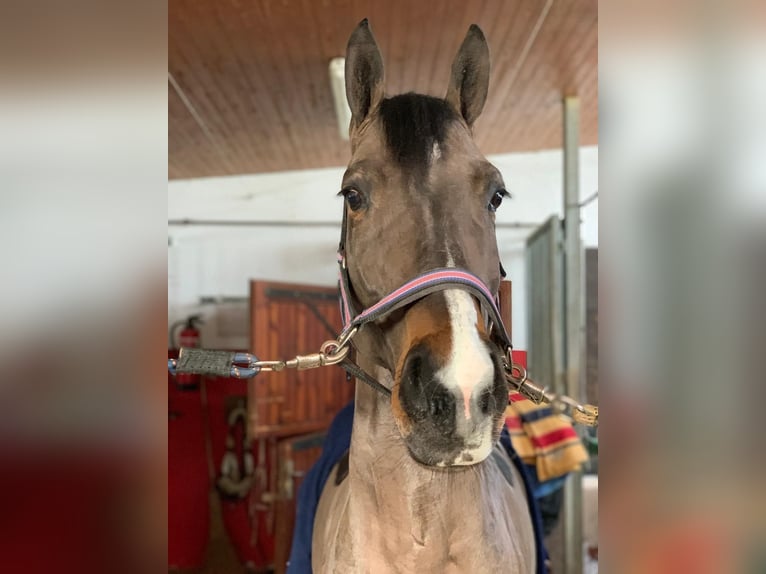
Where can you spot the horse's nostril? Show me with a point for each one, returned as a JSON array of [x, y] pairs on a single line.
[[421, 393], [415, 369], [439, 404], [484, 401]]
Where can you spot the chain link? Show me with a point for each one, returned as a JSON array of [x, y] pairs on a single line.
[[517, 376], [331, 352], [334, 351], [247, 365]]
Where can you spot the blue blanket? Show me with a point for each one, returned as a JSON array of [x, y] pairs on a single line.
[[336, 443]]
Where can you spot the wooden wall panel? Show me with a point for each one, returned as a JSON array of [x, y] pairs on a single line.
[[505, 299], [287, 320], [255, 74]]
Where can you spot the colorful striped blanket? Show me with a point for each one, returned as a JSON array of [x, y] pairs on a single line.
[[543, 439]]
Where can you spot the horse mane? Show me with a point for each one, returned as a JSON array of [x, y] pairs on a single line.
[[412, 124]]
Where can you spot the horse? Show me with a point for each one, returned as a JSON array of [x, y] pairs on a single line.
[[427, 488]]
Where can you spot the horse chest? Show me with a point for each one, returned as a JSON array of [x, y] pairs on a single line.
[[354, 534]]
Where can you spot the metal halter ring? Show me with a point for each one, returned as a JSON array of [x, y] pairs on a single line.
[[521, 378], [333, 352]]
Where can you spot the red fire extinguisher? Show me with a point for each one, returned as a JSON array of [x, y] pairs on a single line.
[[188, 337]]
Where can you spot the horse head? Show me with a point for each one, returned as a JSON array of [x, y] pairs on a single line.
[[420, 195]]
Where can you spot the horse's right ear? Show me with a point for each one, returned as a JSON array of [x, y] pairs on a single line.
[[364, 73], [469, 83]]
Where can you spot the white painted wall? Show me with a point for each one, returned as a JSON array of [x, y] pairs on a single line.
[[220, 261]]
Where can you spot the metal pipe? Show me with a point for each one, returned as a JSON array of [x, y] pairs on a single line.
[[573, 342], [283, 223], [245, 223], [592, 197]]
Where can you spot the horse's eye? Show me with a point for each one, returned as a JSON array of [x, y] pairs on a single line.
[[497, 199], [354, 198]]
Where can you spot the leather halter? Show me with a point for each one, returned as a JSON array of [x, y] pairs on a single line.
[[432, 281]]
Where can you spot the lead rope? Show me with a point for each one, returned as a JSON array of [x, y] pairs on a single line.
[[335, 352], [516, 375]]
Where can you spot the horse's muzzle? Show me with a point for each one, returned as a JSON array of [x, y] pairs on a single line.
[[447, 422]]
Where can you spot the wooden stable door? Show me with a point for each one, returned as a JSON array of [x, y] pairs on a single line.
[[287, 320]]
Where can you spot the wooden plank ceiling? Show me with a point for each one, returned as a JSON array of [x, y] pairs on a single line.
[[248, 81]]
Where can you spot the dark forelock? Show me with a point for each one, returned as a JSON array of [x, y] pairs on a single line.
[[412, 123]]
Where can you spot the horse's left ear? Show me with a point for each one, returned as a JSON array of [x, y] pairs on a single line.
[[469, 83], [364, 73]]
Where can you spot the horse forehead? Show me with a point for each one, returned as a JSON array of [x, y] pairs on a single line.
[[419, 163], [411, 124]]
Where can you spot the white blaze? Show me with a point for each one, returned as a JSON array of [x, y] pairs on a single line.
[[468, 367]]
